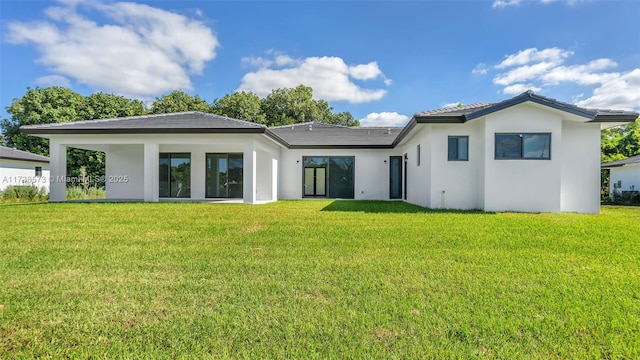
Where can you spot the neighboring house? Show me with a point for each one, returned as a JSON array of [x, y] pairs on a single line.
[[19, 167], [529, 153], [624, 175]]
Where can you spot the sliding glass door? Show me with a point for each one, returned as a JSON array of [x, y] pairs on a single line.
[[328, 176], [224, 175], [175, 175]]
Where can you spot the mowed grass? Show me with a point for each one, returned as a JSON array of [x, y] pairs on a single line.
[[316, 279]]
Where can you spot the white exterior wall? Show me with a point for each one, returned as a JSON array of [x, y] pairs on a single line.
[[124, 172], [22, 172], [580, 172], [628, 175], [455, 184], [371, 178], [419, 177], [523, 185]]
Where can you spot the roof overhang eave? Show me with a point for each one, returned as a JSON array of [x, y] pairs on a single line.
[[615, 118], [342, 146], [454, 119], [19, 159], [51, 131]]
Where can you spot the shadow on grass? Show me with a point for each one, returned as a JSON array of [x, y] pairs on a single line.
[[378, 206]]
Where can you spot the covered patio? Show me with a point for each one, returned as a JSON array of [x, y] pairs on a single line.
[[188, 157]]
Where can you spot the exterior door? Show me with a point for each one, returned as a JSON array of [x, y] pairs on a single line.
[[224, 175], [315, 181], [395, 177]]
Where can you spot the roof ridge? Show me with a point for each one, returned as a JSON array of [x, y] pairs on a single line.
[[113, 119], [455, 108], [311, 123], [289, 125], [227, 118], [127, 118]]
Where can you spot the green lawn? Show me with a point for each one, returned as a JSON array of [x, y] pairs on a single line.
[[316, 279]]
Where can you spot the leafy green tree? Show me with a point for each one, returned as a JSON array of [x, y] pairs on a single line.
[[240, 105], [344, 118], [57, 104], [178, 101], [289, 106], [617, 143], [39, 106], [620, 142], [106, 106]]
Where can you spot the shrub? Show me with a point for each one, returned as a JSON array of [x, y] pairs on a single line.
[[78, 193], [95, 193], [23, 193], [75, 193]]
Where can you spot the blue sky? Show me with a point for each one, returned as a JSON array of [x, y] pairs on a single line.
[[382, 61]]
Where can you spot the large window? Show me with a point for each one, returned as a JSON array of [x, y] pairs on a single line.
[[458, 148], [329, 176], [523, 146], [175, 175], [224, 175]]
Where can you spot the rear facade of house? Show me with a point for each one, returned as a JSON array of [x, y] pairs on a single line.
[[21, 168], [529, 153]]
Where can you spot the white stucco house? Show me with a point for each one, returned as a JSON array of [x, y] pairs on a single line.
[[19, 167], [529, 153], [624, 175]]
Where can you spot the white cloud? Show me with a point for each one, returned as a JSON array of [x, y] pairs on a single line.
[[384, 119], [621, 92], [523, 73], [257, 62], [504, 3], [551, 55], [283, 60], [582, 74], [480, 69], [533, 69], [451, 105], [516, 89], [53, 80], [330, 77], [365, 71], [140, 51]]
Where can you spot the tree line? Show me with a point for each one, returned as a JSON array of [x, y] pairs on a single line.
[[56, 104]]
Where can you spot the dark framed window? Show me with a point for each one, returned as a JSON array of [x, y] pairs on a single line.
[[418, 154], [532, 146], [458, 148], [38, 171]]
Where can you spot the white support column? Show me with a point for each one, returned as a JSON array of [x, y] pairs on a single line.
[[249, 173], [151, 167], [58, 171], [274, 177], [198, 174]]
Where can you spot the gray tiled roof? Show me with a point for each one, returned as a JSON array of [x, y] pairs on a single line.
[[185, 122], [319, 135], [474, 111], [618, 163], [14, 154], [454, 111]]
